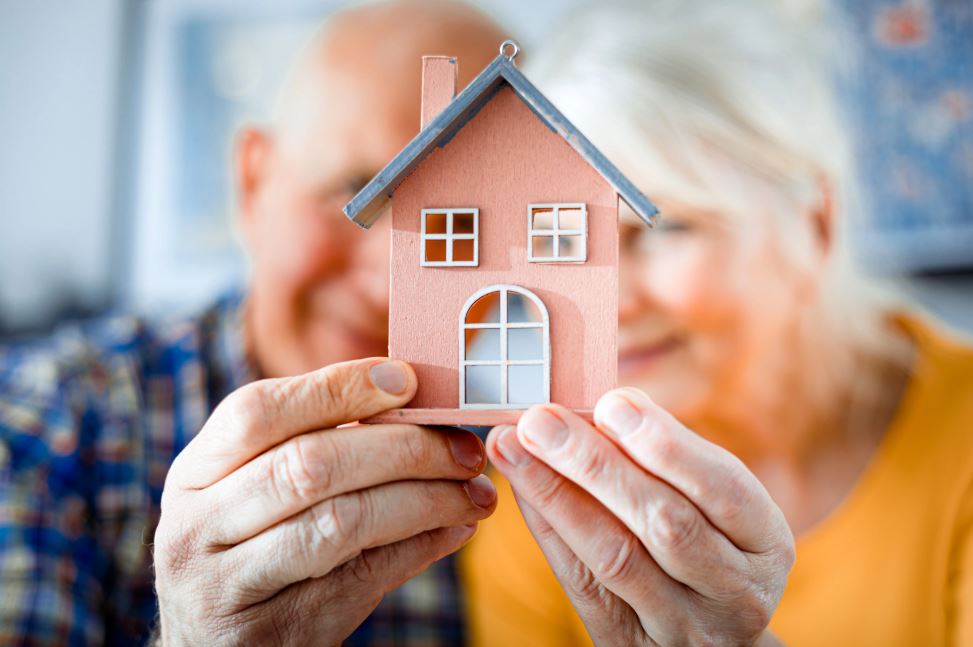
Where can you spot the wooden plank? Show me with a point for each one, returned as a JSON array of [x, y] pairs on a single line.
[[457, 417]]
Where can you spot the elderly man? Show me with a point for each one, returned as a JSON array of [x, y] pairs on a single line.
[[275, 528]]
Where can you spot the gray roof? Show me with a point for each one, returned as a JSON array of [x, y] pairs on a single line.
[[368, 206]]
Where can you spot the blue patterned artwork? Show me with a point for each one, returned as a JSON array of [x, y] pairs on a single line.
[[914, 115]]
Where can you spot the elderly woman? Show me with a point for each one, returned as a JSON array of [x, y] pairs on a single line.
[[791, 397]]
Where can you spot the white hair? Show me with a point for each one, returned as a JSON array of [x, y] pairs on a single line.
[[730, 106]]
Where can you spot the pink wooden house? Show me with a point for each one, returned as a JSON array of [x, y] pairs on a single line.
[[504, 257]]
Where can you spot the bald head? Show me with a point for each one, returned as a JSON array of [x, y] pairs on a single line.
[[387, 31], [370, 55], [319, 286]]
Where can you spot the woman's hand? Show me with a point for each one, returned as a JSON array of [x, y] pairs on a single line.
[[657, 535]]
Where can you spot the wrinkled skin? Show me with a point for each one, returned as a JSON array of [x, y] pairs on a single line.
[[279, 528], [658, 536]]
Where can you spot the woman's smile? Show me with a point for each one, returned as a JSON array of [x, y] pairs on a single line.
[[641, 356]]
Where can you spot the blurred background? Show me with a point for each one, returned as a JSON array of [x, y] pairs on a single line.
[[116, 119]]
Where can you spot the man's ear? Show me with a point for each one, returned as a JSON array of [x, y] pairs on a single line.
[[252, 154]]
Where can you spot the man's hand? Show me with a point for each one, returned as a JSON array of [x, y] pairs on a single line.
[[278, 529], [658, 536]]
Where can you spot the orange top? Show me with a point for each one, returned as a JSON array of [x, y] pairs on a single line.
[[892, 565]]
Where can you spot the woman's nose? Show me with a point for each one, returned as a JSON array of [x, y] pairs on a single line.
[[632, 296]]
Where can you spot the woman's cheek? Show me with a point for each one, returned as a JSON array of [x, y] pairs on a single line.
[[706, 290], [694, 282]]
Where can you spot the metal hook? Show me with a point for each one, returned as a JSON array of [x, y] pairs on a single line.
[[513, 53]]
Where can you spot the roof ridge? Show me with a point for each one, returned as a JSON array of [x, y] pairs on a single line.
[[370, 203]]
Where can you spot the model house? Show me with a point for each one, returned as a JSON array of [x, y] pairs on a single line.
[[504, 251]]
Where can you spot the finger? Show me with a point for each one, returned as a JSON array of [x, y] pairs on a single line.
[[608, 619], [715, 480], [264, 413], [316, 466], [327, 610], [615, 557], [677, 535], [314, 542]]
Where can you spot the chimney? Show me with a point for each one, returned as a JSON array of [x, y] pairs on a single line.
[[438, 85]]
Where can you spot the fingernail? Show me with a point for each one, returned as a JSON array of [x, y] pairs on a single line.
[[481, 491], [510, 448], [620, 416], [389, 376], [462, 533], [467, 449], [544, 428]]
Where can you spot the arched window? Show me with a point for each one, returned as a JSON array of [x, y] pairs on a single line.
[[504, 350]]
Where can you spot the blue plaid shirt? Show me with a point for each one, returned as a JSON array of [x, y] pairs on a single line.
[[90, 420]]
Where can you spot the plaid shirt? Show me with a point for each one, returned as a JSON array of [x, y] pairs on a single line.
[[90, 421]]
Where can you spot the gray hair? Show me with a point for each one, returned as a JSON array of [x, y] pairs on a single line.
[[715, 102]]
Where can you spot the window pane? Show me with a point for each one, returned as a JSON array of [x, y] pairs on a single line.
[[463, 223], [435, 251], [486, 309], [483, 384], [543, 218], [571, 246], [570, 219], [522, 309], [525, 343], [542, 246], [525, 384], [435, 223], [463, 250], [483, 343]]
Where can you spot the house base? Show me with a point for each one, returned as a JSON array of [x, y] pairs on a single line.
[[457, 417]]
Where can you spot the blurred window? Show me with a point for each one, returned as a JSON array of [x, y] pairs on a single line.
[[504, 354], [557, 233]]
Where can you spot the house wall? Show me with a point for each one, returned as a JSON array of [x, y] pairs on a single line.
[[504, 159]]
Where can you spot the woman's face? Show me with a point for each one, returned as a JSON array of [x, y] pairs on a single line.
[[707, 305]]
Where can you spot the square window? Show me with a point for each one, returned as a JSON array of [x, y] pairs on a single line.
[[449, 237], [558, 232], [464, 250], [525, 384], [464, 222], [483, 384], [435, 250], [570, 247], [525, 343], [571, 218], [435, 223], [543, 218], [542, 246], [483, 344]]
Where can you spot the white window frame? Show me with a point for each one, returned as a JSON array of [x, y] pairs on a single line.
[[504, 362], [557, 232], [450, 237]]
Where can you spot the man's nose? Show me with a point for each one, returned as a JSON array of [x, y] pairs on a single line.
[[368, 252]]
